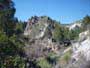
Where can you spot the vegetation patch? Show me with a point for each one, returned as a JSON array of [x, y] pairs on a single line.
[[65, 58], [43, 63]]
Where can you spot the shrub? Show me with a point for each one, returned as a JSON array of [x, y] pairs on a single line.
[[43, 63], [66, 57]]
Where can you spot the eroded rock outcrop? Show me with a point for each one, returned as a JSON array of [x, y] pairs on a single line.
[[39, 33], [82, 47], [81, 51]]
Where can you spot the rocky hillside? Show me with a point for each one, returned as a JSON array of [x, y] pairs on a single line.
[[45, 43], [45, 27], [74, 25], [39, 33], [70, 43], [37, 26], [81, 52]]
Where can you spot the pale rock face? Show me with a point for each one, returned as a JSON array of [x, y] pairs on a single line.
[[26, 33], [82, 49], [86, 48], [83, 35], [27, 29], [40, 25], [75, 25], [42, 33]]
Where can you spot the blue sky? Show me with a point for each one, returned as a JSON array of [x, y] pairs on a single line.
[[65, 11]]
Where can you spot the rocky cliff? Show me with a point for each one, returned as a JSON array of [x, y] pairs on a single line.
[[39, 31], [37, 26]]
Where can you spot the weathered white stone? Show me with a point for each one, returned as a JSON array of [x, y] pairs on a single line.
[[82, 49], [73, 26]]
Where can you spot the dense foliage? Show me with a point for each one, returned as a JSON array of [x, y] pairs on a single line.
[[63, 33], [11, 48]]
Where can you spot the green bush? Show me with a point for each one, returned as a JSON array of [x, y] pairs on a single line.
[[66, 57], [43, 63]]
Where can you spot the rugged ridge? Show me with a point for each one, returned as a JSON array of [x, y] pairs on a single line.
[[74, 53], [36, 26]]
